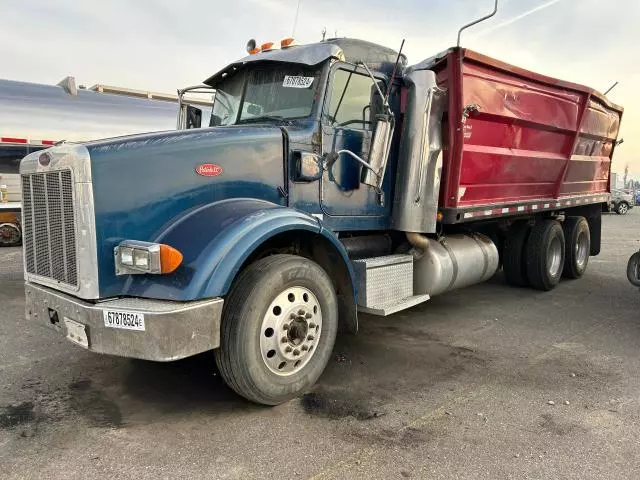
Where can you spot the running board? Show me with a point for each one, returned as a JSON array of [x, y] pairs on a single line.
[[385, 284]]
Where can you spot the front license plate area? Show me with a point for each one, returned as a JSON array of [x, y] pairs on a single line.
[[76, 332], [123, 319]]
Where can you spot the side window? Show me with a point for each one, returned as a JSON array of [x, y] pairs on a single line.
[[354, 100]]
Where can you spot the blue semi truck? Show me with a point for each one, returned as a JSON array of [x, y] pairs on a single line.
[[311, 193]]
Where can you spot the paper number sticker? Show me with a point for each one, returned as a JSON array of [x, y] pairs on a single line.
[[294, 81]]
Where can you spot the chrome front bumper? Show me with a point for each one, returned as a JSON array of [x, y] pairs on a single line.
[[173, 330]]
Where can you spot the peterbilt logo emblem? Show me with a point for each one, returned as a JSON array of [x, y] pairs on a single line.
[[209, 170]]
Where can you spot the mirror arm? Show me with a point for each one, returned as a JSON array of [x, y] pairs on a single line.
[[375, 83], [354, 156]]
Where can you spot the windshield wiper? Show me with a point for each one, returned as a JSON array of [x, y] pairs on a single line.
[[262, 118]]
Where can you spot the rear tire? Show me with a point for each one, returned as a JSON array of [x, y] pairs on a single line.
[[622, 208], [278, 329], [514, 260], [577, 246], [545, 255]]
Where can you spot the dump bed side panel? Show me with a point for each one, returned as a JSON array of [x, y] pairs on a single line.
[[527, 139]]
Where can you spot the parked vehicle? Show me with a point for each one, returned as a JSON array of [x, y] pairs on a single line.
[[621, 202], [633, 269], [333, 179], [36, 116]]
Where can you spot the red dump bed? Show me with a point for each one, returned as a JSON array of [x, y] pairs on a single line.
[[534, 142]]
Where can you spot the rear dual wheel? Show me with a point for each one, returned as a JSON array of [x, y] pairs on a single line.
[[513, 258], [545, 254], [578, 246]]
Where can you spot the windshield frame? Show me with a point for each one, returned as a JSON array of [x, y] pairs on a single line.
[[320, 74]]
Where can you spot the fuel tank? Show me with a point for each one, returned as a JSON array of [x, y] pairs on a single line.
[[454, 262]]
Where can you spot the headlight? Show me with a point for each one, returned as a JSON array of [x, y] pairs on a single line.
[[126, 256], [134, 257]]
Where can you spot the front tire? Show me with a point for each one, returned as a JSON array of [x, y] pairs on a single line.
[[545, 255], [622, 208], [278, 329], [577, 246]]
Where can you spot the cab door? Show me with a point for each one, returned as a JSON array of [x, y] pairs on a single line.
[[348, 119]]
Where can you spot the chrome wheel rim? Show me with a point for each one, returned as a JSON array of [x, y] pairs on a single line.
[[582, 249], [622, 208], [291, 329], [555, 257]]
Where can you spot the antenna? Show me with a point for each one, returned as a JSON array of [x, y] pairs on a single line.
[[611, 88], [495, 9], [324, 33], [393, 75], [295, 21]]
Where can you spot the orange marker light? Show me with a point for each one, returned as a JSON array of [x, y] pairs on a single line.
[[440, 216], [287, 42], [266, 46], [254, 51], [170, 258]]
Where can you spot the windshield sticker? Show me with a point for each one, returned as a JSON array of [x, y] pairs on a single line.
[[295, 81]]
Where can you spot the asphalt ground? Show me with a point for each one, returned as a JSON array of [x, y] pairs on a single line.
[[458, 387]]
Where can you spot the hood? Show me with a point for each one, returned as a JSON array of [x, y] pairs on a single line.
[[142, 183]]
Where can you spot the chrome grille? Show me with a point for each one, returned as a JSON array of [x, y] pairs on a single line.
[[49, 226]]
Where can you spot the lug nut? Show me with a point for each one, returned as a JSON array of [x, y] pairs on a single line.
[[310, 337], [296, 352], [285, 326], [288, 349], [304, 348], [312, 325], [308, 315], [300, 312], [284, 340], [292, 316]]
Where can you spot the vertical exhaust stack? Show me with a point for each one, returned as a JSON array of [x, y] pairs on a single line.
[[415, 205]]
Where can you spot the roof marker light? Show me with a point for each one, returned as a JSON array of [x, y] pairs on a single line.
[[287, 42], [265, 47]]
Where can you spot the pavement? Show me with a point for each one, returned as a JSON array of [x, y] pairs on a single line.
[[489, 382]]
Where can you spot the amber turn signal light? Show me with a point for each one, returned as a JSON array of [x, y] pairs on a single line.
[[170, 258]]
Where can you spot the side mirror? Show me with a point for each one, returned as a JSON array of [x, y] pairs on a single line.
[[307, 167], [379, 153], [194, 117]]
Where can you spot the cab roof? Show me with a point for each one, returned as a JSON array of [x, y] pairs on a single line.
[[350, 50]]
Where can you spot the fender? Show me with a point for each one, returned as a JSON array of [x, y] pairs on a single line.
[[216, 239]]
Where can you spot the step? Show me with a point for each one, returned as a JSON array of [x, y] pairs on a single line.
[[385, 309]]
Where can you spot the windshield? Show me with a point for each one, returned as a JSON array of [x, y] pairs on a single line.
[[274, 92]]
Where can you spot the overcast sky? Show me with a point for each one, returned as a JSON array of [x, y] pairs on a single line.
[[161, 45]]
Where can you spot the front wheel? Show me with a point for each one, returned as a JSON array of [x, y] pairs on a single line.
[[622, 208], [278, 329]]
